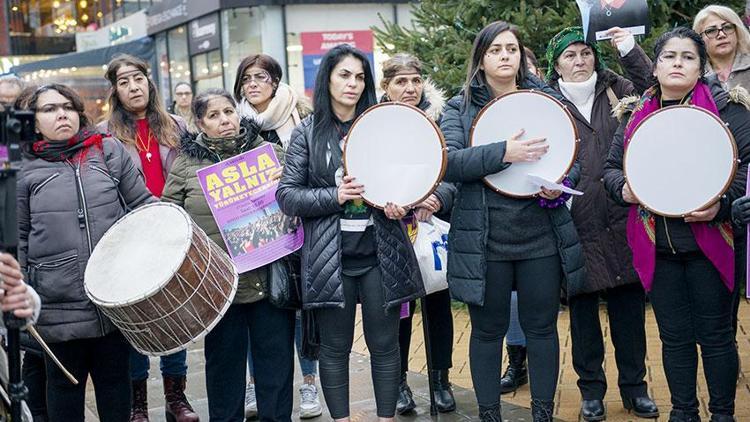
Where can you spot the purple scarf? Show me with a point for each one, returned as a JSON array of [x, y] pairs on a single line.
[[715, 240]]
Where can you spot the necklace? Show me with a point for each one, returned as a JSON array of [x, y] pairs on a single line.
[[144, 146]]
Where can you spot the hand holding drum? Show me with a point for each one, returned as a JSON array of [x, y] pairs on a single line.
[[527, 150]]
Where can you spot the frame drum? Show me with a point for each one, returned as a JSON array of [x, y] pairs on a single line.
[[541, 116], [160, 279], [397, 153], [679, 159]]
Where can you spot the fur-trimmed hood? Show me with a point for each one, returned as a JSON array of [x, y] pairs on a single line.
[[432, 101], [191, 144]]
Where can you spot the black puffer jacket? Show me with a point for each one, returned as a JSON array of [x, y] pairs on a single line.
[[468, 235], [315, 200], [55, 240]]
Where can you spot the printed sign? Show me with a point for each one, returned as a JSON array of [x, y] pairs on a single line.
[[242, 199], [316, 44]]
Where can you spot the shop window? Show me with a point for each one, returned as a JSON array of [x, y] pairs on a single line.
[[207, 71], [161, 73], [179, 58], [240, 37]]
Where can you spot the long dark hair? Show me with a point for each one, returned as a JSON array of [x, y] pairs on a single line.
[[687, 33], [482, 43], [325, 132], [263, 61], [122, 122]]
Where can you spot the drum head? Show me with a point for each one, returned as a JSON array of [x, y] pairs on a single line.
[[541, 116], [138, 255], [397, 153], [680, 159]]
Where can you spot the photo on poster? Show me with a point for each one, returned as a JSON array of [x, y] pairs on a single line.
[[598, 16]]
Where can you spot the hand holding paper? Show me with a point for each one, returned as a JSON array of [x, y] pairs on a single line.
[[547, 184]]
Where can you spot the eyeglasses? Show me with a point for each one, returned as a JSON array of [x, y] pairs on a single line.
[[183, 94], [261, 77], [713, 32]]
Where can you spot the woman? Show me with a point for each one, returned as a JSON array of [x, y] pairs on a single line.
[[68, 191], [527, 243], [138, 119], [263, 97], [271, 329], [577, 71], [403, 82], [687, 264], [352, 252], [728, 44], [183, 98]]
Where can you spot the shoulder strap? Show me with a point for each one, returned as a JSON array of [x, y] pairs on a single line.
[[613, 100], [116, 182]]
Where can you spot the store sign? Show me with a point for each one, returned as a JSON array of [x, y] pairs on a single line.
[[204, 34], [316, 44], [170, 13], [126, 29]]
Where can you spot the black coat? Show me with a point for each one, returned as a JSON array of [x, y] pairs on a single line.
[[315, 200], [600, 220], [468, 235]]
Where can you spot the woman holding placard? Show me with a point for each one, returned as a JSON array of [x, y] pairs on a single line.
[[686, 264], [222, 136], [498, 241]]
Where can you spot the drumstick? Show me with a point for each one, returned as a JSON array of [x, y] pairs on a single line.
[[34, 333]]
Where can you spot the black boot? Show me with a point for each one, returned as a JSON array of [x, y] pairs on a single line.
[[490, 414], [722, 418], [683, 416], [405, 403], [541, 410], [442, 392], [515, 376]]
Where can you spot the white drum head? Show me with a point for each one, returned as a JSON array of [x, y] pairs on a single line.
[[397, 153], [541, 116], [138, 255], [680, 159]]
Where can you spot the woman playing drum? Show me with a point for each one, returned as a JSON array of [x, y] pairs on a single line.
[[271, 329], [67, 199], [352, 252], [686, 264], [497, 241]]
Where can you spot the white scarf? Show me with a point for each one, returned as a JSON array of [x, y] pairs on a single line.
[[281, 114], [581, 94]]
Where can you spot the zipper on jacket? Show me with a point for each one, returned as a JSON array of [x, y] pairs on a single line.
[[55, 262], [83, 214], [44, 183], [104, 172], [669, 239]]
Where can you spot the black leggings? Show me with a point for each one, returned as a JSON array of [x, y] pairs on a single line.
[[537, 282], [381, 335], [693, 307], [437, 311]]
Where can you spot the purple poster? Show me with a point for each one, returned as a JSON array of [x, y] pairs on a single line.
[[242, 199]]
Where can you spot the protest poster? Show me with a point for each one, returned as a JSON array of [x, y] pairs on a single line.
[[598, 16], [242, 198]]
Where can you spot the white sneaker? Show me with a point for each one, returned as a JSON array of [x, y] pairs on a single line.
[[251, 404], [309, 406]]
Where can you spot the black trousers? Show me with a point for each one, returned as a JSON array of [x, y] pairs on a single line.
[[537, 282], [437, 307], [271, 334], [380, 327], [693, 307], [35, 379], [106, 359], [626, 311]]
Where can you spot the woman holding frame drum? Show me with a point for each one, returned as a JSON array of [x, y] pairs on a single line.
[[498, 241], [352, 252], [682, 262], [403, 82]]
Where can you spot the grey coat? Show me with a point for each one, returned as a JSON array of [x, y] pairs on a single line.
[[64, 209], [315, 200], [467, 265]]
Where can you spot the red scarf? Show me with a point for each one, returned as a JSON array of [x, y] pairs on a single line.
[[148, 151], [64, 150]]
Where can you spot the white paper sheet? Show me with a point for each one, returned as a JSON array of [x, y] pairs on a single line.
[[540, 181]]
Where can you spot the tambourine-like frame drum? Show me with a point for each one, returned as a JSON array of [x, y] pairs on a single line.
[[160, 279], [541, 116], [680, 159], [397, 153]]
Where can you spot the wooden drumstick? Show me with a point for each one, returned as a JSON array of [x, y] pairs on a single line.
[[34, 333]]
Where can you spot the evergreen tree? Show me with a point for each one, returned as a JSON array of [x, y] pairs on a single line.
[[443, 31]]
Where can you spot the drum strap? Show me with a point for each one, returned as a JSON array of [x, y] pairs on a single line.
[[613, 100]]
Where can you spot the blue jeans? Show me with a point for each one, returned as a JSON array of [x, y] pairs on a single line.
[[515, 336], [171, 365], [309, 367]]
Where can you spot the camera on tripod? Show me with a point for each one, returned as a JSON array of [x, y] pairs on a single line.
[[16, 128]]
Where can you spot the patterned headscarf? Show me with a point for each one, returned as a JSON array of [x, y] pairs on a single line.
[[561, 41]]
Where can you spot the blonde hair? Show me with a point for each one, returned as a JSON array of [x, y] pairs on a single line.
[[396, 65], [729, 15]]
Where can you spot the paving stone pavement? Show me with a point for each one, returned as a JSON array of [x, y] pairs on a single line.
[[515, 406]]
